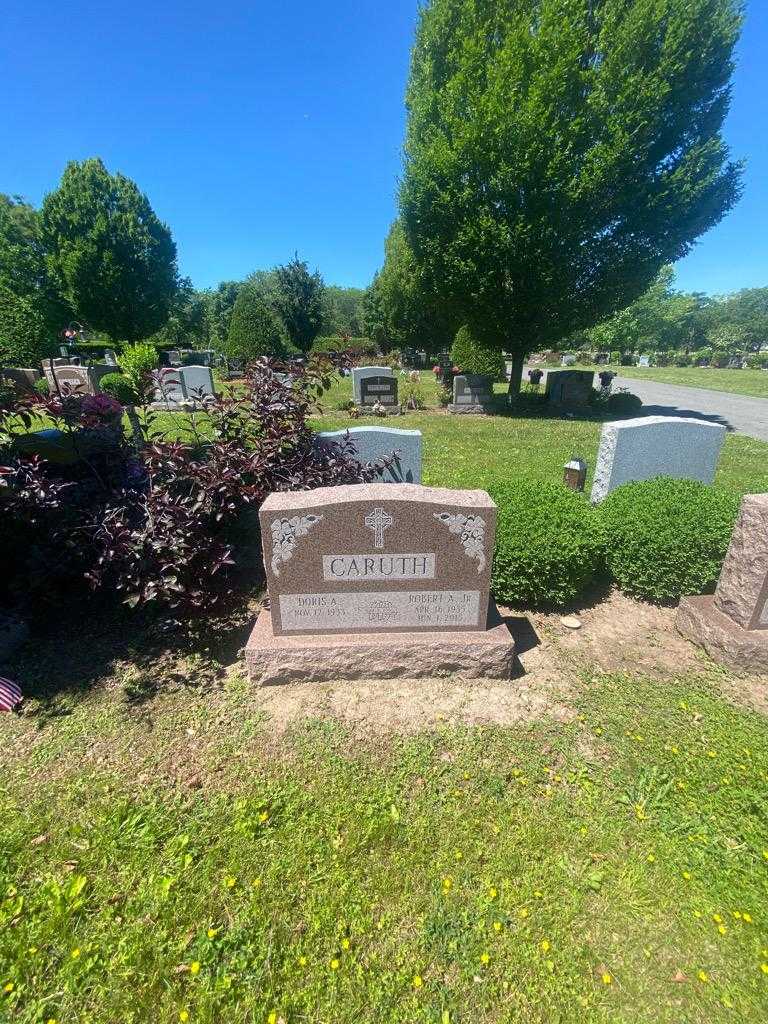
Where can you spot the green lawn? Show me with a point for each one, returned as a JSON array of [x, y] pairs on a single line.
[[475, 451], [169, 854], [735, 382], [611, 868]]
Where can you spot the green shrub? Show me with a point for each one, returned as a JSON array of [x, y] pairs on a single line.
[[623, 403], [42, 387], [472, 355], [615, 357], [548, 544], [24, 337], [119, 387], [683, 359], [137, 363], [628, 359], [337, 343], [665, 538]]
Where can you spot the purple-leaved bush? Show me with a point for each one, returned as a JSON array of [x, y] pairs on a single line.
[[151, 521]]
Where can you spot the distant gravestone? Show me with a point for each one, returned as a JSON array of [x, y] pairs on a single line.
[[374, 390], [174, 357], [23, 380], [359, 373], [74, 377], [170, 390], [378, 581], [197, 381], [644, 361], [568, 360], [650, 446], [732, 625], [472, 393], [569, 388], [374, 443]]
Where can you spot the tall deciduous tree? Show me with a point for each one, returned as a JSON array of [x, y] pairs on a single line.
[[413, 313], [298, 300], [111, 257], [560, 152]]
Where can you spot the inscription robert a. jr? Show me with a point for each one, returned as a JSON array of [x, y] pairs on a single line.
[[369, 568]]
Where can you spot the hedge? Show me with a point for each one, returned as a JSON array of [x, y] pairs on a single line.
[[665, 538], [548, 544]]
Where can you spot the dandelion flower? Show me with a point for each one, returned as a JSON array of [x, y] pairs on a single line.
[[650, 858], [764, 968], [687, 876], [302, 961], [747, 918], [447, 883], [722, 929], [334, 964], [75, 954], [485, 958], [545, 946], [230, 882], [345, 943], [272, 1018], [213, 932], [523, 912], [606, 978], [184, 1016], [492, 893], [9, 987], [703, 976], [717, 919], [264, 816], [497, 926], [417, 981], [194, 968]]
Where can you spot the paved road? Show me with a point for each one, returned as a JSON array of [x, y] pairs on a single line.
[[740, 414]]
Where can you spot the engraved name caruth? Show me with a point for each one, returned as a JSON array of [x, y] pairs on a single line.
[[379, 567]]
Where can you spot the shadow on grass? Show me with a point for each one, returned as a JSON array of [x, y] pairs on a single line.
[[90, 643]]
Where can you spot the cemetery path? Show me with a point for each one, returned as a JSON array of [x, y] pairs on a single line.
[[739, 414]]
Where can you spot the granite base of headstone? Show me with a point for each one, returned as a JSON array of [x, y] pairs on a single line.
[[732, 624], [472, 395], [378, 581]]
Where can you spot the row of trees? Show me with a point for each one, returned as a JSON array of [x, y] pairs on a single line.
[[96, 253]]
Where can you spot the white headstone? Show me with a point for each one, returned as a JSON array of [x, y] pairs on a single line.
[[568, 360], [172, 389], [374, 443], [644, 361], [649, 446], [359, 372]]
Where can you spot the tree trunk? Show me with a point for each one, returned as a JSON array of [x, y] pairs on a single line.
[[133, 419], [515, 377]]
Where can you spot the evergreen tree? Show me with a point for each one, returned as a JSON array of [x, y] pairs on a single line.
[[254, 328], [298, 300]]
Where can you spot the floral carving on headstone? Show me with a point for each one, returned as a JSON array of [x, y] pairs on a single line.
[[471, 532], [285, 537]]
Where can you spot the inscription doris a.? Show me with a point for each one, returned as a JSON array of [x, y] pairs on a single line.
[[378, 567], [395, 608]]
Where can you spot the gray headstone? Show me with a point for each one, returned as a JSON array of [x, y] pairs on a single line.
[[374, 443], [471, 389], [76, 377], [172, 389], [110, 357], [360, 372], [649, 446], [197, 380], [378, 389], [644, 361], [569, 387], [568, 360]]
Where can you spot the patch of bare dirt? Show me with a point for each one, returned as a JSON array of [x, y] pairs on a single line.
[[620, 634]]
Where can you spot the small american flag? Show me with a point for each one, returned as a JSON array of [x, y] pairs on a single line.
[[10, 695]]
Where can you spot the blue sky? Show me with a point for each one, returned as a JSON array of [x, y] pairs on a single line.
[[262, 128]]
